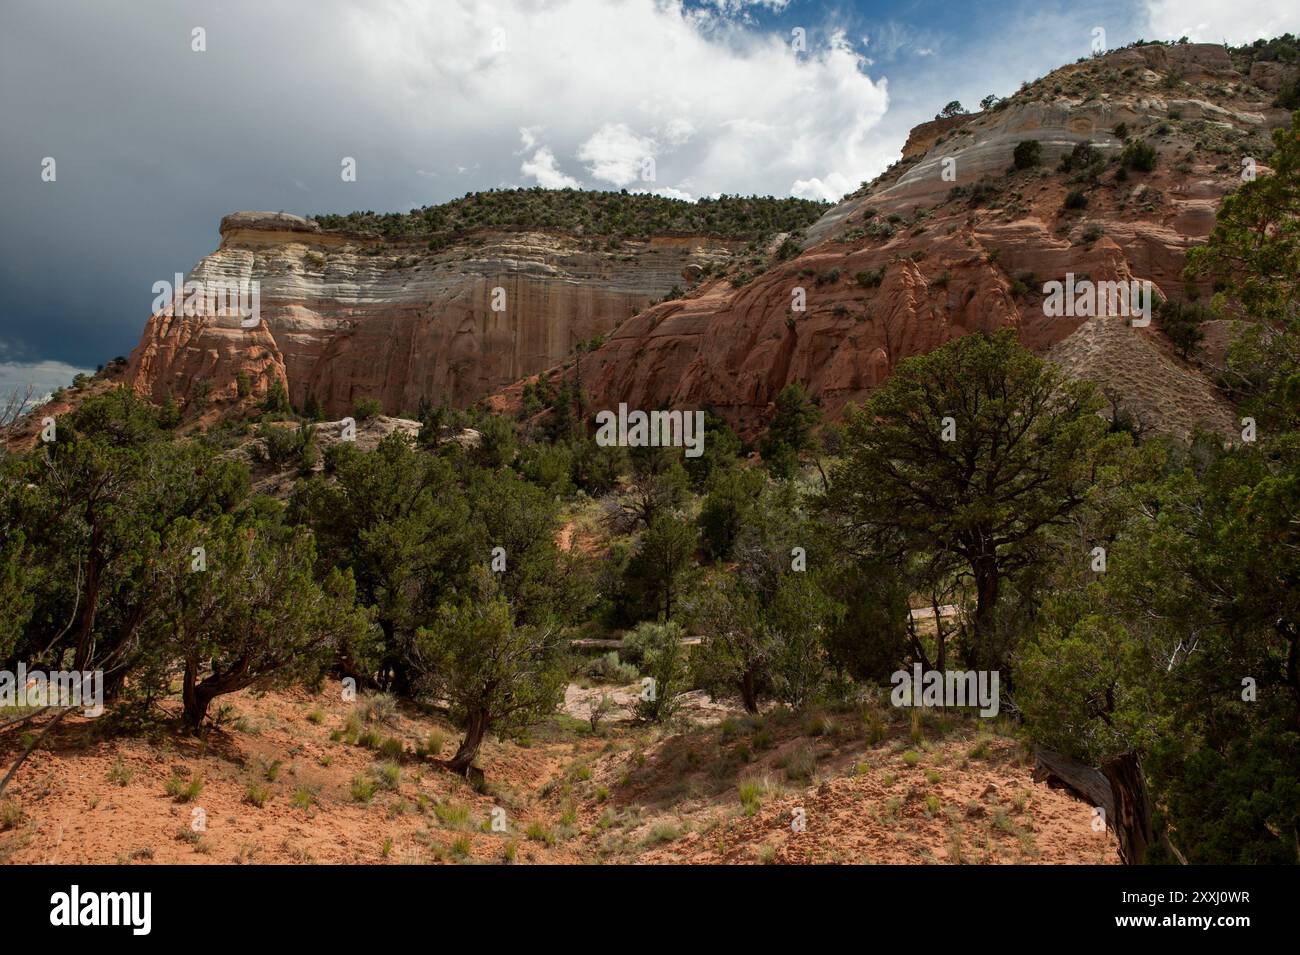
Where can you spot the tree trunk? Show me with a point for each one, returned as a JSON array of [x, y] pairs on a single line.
[[198, 696], [196, 708], [1082, 781], [749, 692], [1293, 663], [347, 667], [940, 637], [1118, 789], [987, 580], [394, 677], [114, 682], [1132, 822], [475, 729], [86, 625]]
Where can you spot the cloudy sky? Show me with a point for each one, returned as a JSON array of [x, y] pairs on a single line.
[[154, 141]]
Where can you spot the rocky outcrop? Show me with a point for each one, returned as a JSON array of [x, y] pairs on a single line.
[[346, 316], [953, 239]]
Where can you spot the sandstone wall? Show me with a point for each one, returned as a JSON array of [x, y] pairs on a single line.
[[347, 317]]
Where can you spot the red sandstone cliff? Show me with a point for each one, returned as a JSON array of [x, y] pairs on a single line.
[[345, 317], [976, 256]]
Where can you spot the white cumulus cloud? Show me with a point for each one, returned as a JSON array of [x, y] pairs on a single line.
[[1214, 21], [542, 167], [614, 82], [617, 155]]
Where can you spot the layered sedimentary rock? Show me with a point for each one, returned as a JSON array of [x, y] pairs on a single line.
[[953, 239], [344, 317]]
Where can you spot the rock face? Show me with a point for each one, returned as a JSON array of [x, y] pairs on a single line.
[[953, 239], [344, 317]]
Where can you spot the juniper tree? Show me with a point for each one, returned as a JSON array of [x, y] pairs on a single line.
[[661, 567], [791, 432], [539, 580], [975, 451], [495, 675], [94, 505], [1253, 254], [398, 520], [1179, 664], [251, 614]]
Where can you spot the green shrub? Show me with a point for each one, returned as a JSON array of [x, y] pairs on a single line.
[[663, 660], [433, 745], [800, 765], [183, 791], [870, 279], [453, 815], [367, 408], [609, 669], [1075, 199], [538, 832], [281, 447], [119, 773], [1091, 234], [10, 815], [1081, 158], [1027, 154], [1182, 322], [1138, 155]]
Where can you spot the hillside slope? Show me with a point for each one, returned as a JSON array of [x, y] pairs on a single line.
[[282, 781]]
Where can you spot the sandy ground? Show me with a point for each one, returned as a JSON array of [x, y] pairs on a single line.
[[716, 786]]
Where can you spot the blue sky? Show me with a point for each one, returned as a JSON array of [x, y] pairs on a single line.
[[155, 140]]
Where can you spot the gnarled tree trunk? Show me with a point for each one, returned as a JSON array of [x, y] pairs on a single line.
[[198, 696], [1119, 789], [476, 727], [1132, 820]]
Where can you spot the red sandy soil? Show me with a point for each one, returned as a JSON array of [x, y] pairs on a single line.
[[969, 797], [622, 794]]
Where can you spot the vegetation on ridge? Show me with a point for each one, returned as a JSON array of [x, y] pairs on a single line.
[[615, 214]]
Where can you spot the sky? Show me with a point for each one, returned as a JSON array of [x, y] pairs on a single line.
[[162, 116]]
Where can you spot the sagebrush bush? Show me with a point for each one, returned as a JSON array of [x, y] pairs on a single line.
[[609, 669]]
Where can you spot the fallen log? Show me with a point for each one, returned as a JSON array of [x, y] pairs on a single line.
[[1084, 782]]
